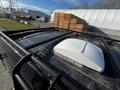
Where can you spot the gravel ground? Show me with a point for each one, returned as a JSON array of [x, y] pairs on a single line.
[[5, 78], [6, 82], [37, 24], [1, 29]]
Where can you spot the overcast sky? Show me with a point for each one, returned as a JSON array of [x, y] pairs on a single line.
[[48, 6]]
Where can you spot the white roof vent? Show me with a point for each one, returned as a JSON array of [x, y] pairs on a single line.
[[82, 53]]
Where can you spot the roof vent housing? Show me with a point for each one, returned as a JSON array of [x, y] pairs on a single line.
[[82, 53]]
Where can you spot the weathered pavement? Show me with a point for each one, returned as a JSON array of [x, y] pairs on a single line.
[[6, 82], [1, 29], [5, 78]]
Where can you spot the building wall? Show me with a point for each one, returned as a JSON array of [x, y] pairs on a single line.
[[102, 18], [4, 12]]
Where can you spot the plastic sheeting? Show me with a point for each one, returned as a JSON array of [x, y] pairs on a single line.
[[102, 18]]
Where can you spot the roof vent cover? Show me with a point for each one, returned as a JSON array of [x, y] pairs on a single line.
[[81, 52]]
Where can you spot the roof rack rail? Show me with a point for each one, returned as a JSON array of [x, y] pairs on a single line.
[[17, 76]]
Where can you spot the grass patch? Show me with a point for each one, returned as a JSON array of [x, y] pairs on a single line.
[[13, 25]]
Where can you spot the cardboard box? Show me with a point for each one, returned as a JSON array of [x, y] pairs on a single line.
[[55, 24], [78, 27], [60, 23], [64, 27], [56, 15], [69, 21], [77, 21], [61, 15], [69, 16], [61, 20], [64, 15], [72, 25], [56, 19], [74, 20], [64, 24], [74, 29]]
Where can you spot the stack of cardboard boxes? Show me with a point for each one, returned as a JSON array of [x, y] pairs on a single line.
[[70, 22]]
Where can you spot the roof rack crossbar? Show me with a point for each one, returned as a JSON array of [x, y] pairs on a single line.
[[34, 45], [17, 69]]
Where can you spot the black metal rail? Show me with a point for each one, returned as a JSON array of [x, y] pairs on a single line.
[[115, 63], [17, 76], [20, 63], [18, 32], [34, 45], [54, 81], [13, 34], [57, 29]]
